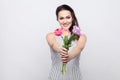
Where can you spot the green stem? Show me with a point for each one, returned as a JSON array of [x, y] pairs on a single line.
[[63, 69]]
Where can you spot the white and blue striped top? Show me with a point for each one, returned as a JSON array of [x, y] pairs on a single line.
[[72, 67]]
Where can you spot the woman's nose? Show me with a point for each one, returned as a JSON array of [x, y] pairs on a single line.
[[64, 21]]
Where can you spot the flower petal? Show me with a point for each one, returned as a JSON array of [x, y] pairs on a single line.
[[58, 32]]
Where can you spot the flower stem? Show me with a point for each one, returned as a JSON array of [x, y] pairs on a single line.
[[63, 69]]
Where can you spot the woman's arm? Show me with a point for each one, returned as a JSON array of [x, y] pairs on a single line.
[[51, 39], [76, 50], [79, 47]]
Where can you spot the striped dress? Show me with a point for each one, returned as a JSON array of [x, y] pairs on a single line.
[[72, 67]]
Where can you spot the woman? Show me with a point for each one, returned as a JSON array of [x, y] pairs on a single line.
[[67, 19]]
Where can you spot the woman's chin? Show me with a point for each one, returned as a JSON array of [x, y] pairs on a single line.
[[66, 27]]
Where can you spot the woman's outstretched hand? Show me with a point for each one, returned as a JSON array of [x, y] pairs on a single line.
[[64, 55]]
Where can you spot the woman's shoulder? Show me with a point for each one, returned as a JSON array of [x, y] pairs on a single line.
[[50, 35], [81, 41], [83, 37]]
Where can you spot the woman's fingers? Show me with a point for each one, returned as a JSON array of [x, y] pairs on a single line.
[[64, 58], [64, 55], [63, 50]]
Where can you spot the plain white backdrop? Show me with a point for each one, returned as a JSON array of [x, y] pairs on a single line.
[[24, 53]]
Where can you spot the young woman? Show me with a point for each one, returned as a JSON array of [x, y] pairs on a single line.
[[60, 55]]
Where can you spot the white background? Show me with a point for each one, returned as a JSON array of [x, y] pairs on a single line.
[[24, 53]]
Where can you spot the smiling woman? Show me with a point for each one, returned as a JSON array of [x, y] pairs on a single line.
[[65, 19], [59, 53]]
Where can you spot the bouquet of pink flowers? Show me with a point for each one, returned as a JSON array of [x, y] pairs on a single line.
[[67, 39]]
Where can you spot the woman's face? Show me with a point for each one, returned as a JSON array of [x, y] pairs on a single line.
[[65, 19]]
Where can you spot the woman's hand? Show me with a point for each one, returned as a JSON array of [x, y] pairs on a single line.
[[64, 55]]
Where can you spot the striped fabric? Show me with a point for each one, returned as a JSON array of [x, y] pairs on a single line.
[[73, 70]]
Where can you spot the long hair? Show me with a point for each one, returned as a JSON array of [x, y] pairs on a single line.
[[66, 7]]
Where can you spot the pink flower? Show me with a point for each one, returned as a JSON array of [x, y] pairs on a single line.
[[58, 32], [65, 32], [76, 30]]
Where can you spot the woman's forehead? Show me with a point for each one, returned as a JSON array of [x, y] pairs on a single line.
[[64, 13]]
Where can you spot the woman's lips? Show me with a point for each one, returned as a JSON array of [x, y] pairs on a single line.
[[66, 25]]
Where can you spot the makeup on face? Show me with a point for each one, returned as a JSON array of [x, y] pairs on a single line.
[[65, 19]]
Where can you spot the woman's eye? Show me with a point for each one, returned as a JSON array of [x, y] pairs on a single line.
[[68, 17], [61, 18]]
